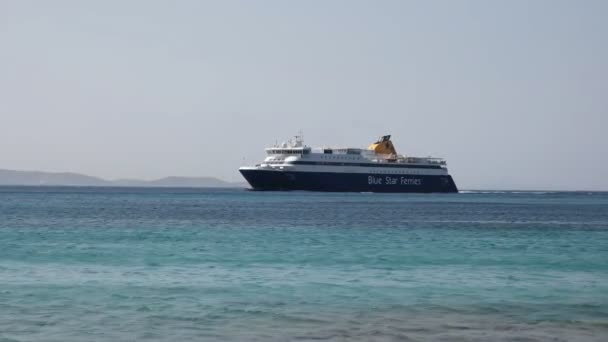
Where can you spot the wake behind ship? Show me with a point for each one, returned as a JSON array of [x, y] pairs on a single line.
[[379, 168]]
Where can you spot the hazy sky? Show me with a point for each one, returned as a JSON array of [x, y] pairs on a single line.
[[514, 94]]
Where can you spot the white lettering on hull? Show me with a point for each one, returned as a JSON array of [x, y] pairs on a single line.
[[411, 181], [388, 180], [374, 180]]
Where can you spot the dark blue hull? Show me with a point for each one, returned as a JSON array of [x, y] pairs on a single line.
[[347, 182]]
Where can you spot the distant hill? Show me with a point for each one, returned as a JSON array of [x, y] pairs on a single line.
[[33, 178], [177, 182], [12, 177]]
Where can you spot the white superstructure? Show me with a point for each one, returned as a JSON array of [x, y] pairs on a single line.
[[293, 155]]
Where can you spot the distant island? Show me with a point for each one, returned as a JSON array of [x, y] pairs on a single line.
[[39, 178]]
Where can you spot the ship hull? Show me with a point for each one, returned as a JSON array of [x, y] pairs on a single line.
[[347, 182]]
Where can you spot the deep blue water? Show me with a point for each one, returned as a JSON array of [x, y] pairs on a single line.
[[120, 264]]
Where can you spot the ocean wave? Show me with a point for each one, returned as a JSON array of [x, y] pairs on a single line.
[[508, 192]]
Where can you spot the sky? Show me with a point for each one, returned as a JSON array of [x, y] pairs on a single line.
[[514, 94]]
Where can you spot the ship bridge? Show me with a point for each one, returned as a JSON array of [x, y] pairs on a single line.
[[292, 147]]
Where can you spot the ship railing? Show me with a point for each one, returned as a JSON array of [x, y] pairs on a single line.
[[410, 160], [287, 150]]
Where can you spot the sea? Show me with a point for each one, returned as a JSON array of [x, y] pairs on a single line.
[[159, 264]]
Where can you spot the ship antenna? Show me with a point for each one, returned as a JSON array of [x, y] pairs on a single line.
[[300, 138]]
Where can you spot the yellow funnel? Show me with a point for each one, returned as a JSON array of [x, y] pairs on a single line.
[[384, 145]]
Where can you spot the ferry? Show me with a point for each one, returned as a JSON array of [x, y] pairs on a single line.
[[294, 166]]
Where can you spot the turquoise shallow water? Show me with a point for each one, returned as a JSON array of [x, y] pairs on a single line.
[[112, 264]]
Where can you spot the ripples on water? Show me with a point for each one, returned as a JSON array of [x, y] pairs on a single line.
[[182, 264]]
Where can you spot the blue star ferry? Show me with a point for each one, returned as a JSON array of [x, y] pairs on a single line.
[[379, 168]]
